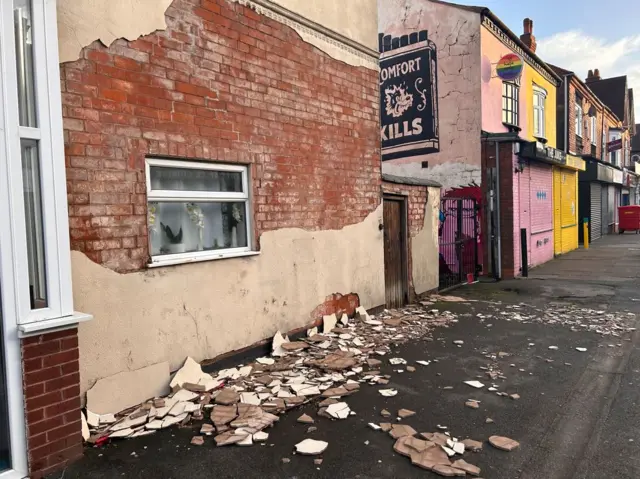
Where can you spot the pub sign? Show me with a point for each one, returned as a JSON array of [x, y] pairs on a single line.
[[409, 100]]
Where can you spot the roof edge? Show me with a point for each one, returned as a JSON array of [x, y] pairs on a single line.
[[494, 18]]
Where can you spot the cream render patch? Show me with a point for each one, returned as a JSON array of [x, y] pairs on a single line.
[[81, 22]]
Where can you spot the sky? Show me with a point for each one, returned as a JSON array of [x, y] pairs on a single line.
[[580, 35]]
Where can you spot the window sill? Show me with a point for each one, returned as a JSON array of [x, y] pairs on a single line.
[[52, 325], [541, 139], [199, 259]]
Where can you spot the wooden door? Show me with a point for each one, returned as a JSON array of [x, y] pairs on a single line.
[[395, 269]]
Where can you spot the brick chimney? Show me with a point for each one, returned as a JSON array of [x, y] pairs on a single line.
[[593, 75], [527, 37]]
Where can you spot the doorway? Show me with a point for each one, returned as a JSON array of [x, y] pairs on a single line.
[[396, 282]]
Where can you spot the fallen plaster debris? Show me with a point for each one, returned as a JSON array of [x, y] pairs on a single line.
[[582, 350], [553, 348], [328, 323], [85, 428], [306, 419], [458, 342], [190, 372], [388, 392], [472, 404], [424, 363], [278, 340], [339, 410], [311, 447], [466, 467], [405, 413], [397, 361], [474, 384], [503, 443], [373, 426]]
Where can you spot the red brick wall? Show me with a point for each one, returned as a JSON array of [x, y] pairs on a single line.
[[509, 215], [588, 100], [417, 197], [221, 83], [51, 380]]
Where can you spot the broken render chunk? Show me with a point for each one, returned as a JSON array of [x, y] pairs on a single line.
[[311, 447]]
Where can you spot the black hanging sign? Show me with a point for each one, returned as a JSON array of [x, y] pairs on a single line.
[[409, 99]]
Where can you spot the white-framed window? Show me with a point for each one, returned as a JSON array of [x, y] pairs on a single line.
[[37, 213], [539, 100], [603, 147], [578, 111], [197, 211], [510, 102], [594, 130], [615, 156]]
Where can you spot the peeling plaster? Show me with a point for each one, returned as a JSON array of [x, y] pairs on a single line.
[[205, 309], [456, 34], [424, 247], [81, 22]]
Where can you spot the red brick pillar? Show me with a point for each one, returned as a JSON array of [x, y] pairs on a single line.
[[51, 377]]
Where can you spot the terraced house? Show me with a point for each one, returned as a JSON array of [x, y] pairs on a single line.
[[214, 168], [491, 102]]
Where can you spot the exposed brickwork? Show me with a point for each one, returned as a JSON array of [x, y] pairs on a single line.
[[221, 83], [585, 145], [336, 303], [417, 197], [51, 380], [509, 211]]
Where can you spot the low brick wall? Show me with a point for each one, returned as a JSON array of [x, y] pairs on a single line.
[[51, 377]]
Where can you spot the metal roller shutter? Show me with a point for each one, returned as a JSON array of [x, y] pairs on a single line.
[[596, 211], [605, 210], [611, 212]]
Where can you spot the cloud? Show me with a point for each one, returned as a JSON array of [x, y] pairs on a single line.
[[580, 52]]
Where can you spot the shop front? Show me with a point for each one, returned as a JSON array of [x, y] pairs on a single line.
[[601, 194], [564, 176]]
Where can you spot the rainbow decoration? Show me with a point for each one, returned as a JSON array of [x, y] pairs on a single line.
[[509, 67]]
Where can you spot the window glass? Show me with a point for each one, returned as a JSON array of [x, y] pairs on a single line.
[[23, 28], [510, 95], [190, 179], [184, 227], [578, 119], [185, 221], [34, 223]]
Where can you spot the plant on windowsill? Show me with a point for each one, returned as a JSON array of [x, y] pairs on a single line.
[[175, 245], [151, 218], [197, 218], [236, 219]]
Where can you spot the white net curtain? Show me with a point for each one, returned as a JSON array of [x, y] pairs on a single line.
[[184, 226]]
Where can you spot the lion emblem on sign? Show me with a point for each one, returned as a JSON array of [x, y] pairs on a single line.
[[398, 100]]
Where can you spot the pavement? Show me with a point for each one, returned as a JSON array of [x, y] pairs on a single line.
[[577, 417]]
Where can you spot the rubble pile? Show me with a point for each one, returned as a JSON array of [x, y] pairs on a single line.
[[578, 319], [439, 452], [236, 405]]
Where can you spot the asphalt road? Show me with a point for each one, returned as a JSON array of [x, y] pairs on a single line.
[[573, 421]]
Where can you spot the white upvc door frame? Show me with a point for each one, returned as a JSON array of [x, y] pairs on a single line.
[[8, 299]]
